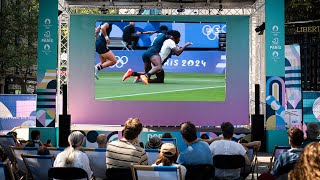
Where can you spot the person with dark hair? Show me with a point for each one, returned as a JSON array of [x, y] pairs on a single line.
[[151, 56], [167, 135], [197, 152], [168, 156], [43, 150], [312, 132], [127, 151], [154, 143], [295, 136], [204, 136], [130, 36], [35, 139], [107, 58], [226, 146]]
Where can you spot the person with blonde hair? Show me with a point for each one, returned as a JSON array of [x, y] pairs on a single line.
[[72, 156], [168, 156], [308, 165]]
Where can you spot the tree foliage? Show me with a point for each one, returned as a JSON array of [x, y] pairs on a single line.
[[18, 44], [302, 10]]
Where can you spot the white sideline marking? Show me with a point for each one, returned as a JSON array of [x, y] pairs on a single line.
[[159, 92]]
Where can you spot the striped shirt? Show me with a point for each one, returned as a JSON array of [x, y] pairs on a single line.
[[121, 153], [291, 156]]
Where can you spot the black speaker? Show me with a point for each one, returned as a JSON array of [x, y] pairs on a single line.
[[64, 130], [64, 99], [258, 131], [256, 99]]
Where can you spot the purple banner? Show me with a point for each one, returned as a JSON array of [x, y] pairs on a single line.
[[17, 110]]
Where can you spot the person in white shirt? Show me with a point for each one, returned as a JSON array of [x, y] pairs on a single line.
[[72, 156], [168, 157], [228, 147]]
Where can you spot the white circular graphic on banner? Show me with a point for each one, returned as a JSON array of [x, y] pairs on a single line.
[[120, 61]]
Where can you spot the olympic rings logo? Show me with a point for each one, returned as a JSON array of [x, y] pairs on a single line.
[[120, 61], [212, 33]]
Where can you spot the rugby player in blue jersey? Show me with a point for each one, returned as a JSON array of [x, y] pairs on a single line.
[[151, 56], [106, 56]]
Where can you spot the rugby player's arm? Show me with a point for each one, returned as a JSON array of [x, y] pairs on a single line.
[[97, 31], [148, 32], [179, 50]]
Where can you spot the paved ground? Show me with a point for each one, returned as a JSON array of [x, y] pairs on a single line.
[[263, 163]]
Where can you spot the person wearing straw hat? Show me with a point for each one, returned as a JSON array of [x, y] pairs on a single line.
[[168, 156]]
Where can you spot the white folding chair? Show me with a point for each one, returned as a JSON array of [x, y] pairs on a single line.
[[38, 165], [140, 172]]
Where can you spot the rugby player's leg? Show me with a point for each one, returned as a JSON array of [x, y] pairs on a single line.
[[159, 78]]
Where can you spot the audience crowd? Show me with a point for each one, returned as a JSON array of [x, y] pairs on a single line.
[[299, 162]]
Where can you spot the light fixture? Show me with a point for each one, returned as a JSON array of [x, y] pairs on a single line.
[[103, 9], [260, 29]]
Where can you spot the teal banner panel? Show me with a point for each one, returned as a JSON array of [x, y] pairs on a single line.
[[47, 63], [275, 65], [274, 32]]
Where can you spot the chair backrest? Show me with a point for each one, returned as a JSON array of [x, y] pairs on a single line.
[[119, 173], [169, 140], [228, 161], [284, 170], [140, 172], [97, 158], [55, 151], [152, 155], [5, 171], [276, 152], [38, 165], [5, 142], [17, 151], [67, 173], [279, 150], [199, 172]]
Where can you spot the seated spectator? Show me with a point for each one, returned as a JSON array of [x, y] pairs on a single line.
[[197, 152], [35, 139], [228, 147], [154, 143], [312, 134], [72, 156], [126, 151], [204, 136], [308, 165], [14, 134], [43, 150], [167, 135], [3, 155], [130, 36], [292, 155], [102, 141], [168, 156]]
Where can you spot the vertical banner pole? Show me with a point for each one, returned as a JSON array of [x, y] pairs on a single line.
[[47, 63], [275, 64]]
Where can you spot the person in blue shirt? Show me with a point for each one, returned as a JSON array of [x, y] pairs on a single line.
[[197, 152], [107, 58], [151, 56]]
